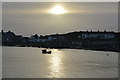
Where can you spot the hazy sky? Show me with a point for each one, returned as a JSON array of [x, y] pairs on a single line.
[[60, 0], [28, 18]]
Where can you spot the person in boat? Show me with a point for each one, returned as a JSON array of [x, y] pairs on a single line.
[[45, 51]]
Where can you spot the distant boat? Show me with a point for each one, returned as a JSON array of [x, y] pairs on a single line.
[[44, 51]]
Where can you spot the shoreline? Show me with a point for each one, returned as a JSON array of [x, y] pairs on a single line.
[[68, 48]]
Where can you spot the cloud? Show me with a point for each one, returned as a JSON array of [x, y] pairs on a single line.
[[28, 18]]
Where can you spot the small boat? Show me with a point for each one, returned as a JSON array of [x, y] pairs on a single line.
[[44, 51]]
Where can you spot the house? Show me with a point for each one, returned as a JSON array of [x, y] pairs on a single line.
[[97, 35]]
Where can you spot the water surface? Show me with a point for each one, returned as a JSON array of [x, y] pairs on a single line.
[[27, 62]]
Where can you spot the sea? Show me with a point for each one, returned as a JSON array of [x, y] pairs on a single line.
[[30, 62]]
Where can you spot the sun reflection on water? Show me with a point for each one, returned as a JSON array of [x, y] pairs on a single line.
[[56, 63]]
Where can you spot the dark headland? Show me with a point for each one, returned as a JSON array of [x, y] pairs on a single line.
[[88, 40]]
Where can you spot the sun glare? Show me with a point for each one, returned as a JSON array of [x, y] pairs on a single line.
[[57, 10]]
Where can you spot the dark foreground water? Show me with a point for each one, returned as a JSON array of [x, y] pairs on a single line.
[[27, 62]]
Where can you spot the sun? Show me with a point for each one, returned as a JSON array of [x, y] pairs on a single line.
[[57, 10]]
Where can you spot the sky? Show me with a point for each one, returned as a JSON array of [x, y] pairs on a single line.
[[29, 18], [60, 0]]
